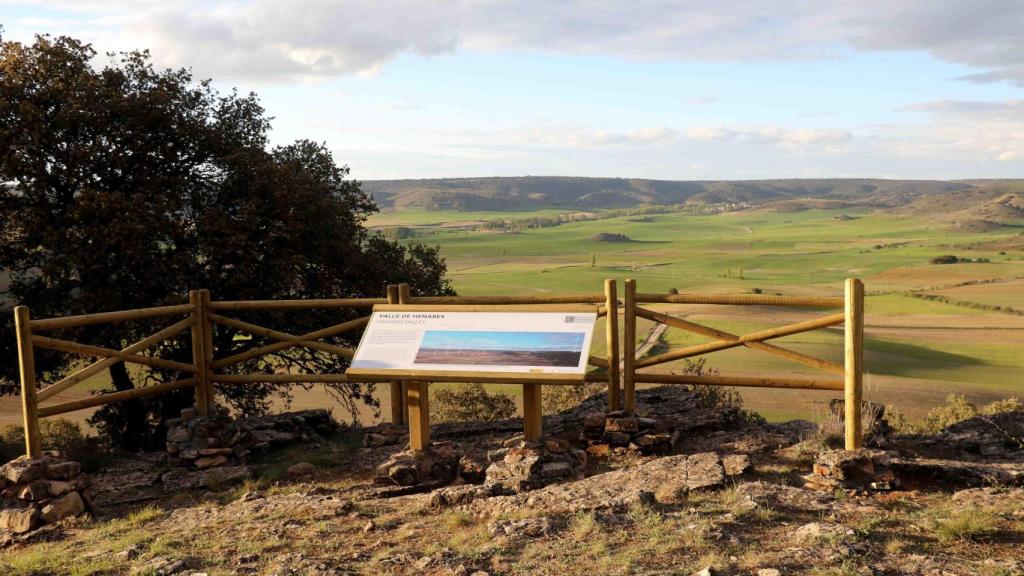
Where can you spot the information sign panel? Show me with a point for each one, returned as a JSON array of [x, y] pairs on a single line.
[[516, 342]]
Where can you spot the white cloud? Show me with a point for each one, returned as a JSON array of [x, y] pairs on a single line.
[[984, 131], [272, 41], [574, 136], [772, 135]]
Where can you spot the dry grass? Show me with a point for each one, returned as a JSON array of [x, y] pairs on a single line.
[[969, 524]]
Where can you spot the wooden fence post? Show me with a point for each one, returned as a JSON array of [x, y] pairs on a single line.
[[27, 369], [533, 412], [611, 304], [419, 415], [629, 347], [854, 361], [397, 394], [195, 298], [403, 298], [211, 398]]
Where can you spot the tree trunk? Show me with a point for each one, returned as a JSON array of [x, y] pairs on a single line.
[[134, 430]]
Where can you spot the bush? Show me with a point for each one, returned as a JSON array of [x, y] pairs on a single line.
[[897, 420], [716, 396], [471, 403], [957, 409], [999, 406], [947, 259], [58, 434], [557, 399]]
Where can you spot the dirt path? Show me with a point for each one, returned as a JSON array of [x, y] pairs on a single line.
[[651, 339]]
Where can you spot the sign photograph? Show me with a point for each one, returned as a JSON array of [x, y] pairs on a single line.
[[530, 342]]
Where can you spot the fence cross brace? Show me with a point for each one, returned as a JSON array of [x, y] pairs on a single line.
[[285, 340], [723, 336]]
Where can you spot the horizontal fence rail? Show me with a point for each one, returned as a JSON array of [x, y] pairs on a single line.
[[619, 368]]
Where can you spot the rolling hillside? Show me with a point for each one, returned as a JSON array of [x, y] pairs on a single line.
[[536, 192]]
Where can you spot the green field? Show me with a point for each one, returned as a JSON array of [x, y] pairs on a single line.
[[918, 350]]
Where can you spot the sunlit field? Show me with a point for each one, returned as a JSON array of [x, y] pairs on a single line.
[[918, 350]]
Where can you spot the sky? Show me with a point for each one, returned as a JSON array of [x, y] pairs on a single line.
[[475, 340], [682, 90]]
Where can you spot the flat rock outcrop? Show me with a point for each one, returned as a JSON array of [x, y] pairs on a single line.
[[663, 479], [992, 438]]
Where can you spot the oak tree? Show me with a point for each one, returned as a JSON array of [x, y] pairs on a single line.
[[123, 186]]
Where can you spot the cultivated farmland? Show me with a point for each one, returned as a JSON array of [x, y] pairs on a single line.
[[932, 329]]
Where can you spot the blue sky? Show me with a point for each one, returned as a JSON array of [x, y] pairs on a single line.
[[651, 88], [519, 341]]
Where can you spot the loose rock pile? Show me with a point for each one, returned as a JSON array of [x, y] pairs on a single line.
[[41, 490], [860, 469], [438, 465], [523, 465], [576, 437], [386, 435], [605, 432], [519, 465]]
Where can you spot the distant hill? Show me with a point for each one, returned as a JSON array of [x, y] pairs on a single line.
[[985, 205], [537, 192]]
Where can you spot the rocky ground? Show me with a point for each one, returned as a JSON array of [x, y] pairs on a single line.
[[731, 496]]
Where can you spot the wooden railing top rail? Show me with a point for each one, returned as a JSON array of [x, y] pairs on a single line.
[[106, 317], [511, 300], [743, 300], [227, 305]]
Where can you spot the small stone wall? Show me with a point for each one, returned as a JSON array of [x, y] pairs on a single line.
[[202, 442], [210, 450], [606, 432], [436, 465], [37, 491], [522, 465], [860, 469]]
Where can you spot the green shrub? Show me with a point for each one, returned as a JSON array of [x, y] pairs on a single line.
[[897, 420], [58, 434], [957, 409], [999, 406], [557, 399], [471, 403]]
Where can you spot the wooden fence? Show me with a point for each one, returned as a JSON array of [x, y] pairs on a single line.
[[409, 396], [851, 372]]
